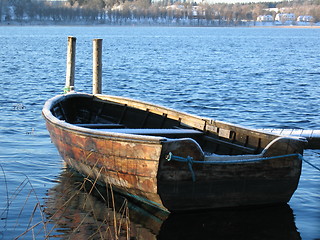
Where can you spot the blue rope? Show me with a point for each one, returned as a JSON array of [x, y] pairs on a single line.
[[312, 165], [189, 160]]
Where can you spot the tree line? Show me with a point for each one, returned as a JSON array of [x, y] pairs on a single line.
[[145, 12]]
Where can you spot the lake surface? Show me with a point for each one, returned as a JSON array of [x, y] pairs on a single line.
[[256, 77]]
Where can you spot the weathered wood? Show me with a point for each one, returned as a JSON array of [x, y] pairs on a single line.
[[157, 132], [186, 119], [137, 165], [97, 66], [130, 167], [233, 145], [71, 58], [100, 125]]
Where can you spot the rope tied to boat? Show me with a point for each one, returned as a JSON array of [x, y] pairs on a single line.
[[68, 89], [312, 165], [189, 160]]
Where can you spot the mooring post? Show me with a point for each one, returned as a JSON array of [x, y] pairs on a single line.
[[97, 66], [71, 56]]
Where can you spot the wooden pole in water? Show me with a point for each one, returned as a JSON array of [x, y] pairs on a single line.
[[71, 56], [97, 66]]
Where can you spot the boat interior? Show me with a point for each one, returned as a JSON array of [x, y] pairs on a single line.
[[110, 116]]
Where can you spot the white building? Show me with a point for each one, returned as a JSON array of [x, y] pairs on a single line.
[[265, 18], [304, 18], [55, 2], [284, 17]]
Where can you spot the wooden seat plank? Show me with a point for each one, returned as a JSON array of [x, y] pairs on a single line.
[[156, 131], [100, 125]]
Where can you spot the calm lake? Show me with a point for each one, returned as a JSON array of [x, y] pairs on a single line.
[[256, 77]]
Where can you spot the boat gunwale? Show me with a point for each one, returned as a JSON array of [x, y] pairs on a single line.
[[207, 121], [46, 112]]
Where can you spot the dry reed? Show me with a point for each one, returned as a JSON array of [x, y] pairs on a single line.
[[70, 210]]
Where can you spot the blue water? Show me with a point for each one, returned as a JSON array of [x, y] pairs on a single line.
[[257, 77]]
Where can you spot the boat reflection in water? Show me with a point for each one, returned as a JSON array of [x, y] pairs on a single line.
[[75, 214]]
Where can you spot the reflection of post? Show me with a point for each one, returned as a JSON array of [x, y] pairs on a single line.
[[71, 56], [97, 66]]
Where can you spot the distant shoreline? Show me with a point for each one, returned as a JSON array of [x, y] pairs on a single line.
[[286, 26], [95, 24]]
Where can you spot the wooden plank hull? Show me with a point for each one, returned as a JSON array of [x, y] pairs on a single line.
[[233, 185], [137, 165], [129, 166]]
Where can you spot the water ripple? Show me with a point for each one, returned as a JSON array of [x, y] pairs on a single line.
[[254, 77]]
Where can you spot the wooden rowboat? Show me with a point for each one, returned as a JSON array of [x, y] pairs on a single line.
[[172, 160]]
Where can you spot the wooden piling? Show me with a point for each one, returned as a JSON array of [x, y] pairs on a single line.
[[97, 66], [71, 57]]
